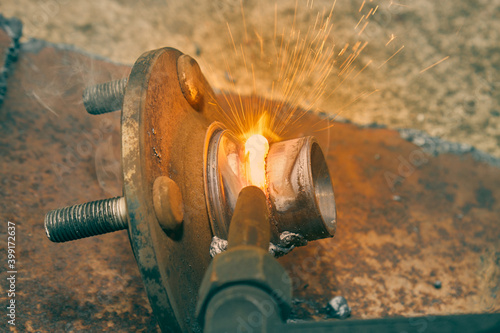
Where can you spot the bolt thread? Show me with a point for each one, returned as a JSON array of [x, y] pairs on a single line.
[[85, 220], [104, 97]]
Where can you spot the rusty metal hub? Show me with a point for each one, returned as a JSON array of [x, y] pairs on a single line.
[[181, 182]]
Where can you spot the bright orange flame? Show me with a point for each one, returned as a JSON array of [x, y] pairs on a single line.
[[259, 125], [256, 149]]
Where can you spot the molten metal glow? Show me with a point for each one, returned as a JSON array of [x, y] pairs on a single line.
[[259, 126], [256, 149]]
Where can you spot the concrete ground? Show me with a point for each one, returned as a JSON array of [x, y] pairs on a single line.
[[457, 100]]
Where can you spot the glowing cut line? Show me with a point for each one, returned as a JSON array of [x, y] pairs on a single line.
[[256, 149]]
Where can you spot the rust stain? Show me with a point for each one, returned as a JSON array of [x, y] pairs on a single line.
[[395, 236], [439, 223]]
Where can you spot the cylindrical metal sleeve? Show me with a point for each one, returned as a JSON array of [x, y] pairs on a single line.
[[300, 189]]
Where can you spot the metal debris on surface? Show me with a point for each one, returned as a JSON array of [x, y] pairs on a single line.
[[288, 241], [338, 308], [218, 245]]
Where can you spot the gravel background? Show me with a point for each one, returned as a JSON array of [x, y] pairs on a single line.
[[458, 100]]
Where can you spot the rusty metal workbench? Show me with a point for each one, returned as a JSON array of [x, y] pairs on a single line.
[[406, 218]]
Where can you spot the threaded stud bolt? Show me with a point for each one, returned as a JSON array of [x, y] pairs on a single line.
[[85, 220], [104, 97]]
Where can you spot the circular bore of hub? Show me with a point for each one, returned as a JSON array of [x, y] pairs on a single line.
[[299, 188]]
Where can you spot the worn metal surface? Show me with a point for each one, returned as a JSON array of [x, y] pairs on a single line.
[[300, 189], [168, 205], [406, 220], [86, 220], [162, 135], [49, 150], [104, 97], [230, 302], [250, 222], [440, 223], [247, 263], [221, 182]]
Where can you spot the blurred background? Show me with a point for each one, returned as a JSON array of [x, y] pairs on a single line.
[[457, 99]]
